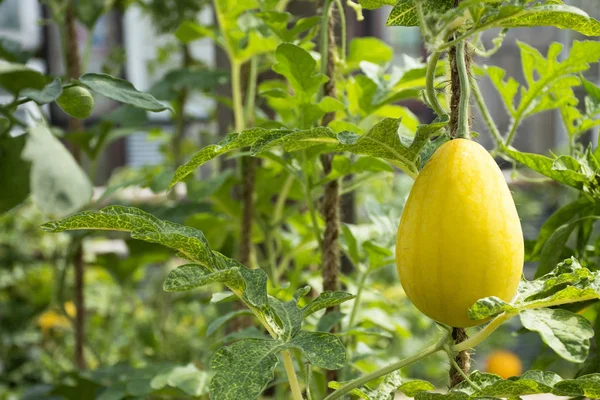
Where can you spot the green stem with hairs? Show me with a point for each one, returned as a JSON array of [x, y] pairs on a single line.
[[324, 41], [348, 387], [485, 113], [236, 93], [342, 15], [484, 333], [251, 91], [430, 94], [465, 92]]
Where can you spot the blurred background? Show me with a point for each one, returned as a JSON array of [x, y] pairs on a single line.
[[135, 330]]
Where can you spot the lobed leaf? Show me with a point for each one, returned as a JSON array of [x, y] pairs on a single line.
[[321, 349], [405, 13], [299, 68], [289, 317], [325, 300], [530, 383], [243, 369]]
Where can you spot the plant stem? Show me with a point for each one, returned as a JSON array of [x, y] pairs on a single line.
[[485, 113], [251, 91], [271, 255], [236, 94], [430, 94], [310, 204], [460, 370], [390, 368], [312, 211], [87, 50], [281, 199], [465, 92], [289, 368], [343, 30], [324, 41], [361, 285]]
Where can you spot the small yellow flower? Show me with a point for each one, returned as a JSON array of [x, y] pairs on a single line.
[[51, 320], [70, 309]]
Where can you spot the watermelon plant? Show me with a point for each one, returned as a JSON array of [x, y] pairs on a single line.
[[322, 118]]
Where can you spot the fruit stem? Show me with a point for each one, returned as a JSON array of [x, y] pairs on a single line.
[[465, 92], [484, 333], [347, 388]]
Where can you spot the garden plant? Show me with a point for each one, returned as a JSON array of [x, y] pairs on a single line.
[[316, 116]]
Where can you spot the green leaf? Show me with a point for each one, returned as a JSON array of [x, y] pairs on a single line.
[[231, 142], [554, 246], [585, 386], [364, 393], [191, 78], [404, 12], [368, 49], [89, 11], [383, 141], [329, 320], [299, 68], [546, 167], [191, 276], [330, 104], [17, 77], [223, 319], [412, 388], [189, 31], [548, 80], [532, 382], [12, 51], [121, 90], [507, 89], [566, 333], [289, 317], [211, 266], [321, 349], [557, 15], [243, 370], [189, 379], [58, 184], [14, 173], [489, 307], [568, 283], [257, 44], [562, 216], [188, 241], [388, 387], [373, 4], [325, 300], [48, 94]]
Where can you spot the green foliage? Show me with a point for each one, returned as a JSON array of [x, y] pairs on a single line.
[[249, 360], [14, 172], [371, 131], [121, 90], [58, 185], [16, 77], [532, 382], [565, 332]]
